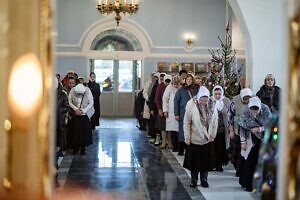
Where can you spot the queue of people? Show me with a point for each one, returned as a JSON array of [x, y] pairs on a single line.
[[205, 127], [77, 113]]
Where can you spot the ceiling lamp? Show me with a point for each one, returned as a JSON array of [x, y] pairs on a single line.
[[105, 7]]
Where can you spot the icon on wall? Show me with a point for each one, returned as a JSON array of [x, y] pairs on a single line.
[[163, 66], [200, 68], [189, 67]]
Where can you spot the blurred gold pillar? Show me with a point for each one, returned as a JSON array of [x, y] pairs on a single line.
[[290, 177], [26, 164]]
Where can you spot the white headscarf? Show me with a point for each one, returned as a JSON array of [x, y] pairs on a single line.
[[254, 101], [218, 103], [203, 92], [79, 89], [245, 92], [167, 77]]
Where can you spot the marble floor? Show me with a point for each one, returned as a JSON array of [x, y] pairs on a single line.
[[121, 164]]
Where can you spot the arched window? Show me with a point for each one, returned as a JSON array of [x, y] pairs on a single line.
[[116, 40]]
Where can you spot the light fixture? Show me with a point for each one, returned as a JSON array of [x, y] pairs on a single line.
[[25, 87], [105, 7], [189, 40]]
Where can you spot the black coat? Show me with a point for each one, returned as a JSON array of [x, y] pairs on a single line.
[[152, 105], [62, 108], [139, 105], [95, 89], [270, 97]]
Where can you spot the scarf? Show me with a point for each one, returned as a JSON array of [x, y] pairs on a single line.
[[218, 103]]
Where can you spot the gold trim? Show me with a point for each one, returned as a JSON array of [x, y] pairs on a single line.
[[293, 109]]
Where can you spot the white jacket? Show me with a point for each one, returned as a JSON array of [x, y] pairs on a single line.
[[146, 112], [87, 100], [168, 106], [194, 131]]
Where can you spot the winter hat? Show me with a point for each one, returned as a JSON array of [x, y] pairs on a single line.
[[167, 77], [203, 92], [162, 74], [156, 74], [246, 92], [79, 89], [254, 101], [70, 71]]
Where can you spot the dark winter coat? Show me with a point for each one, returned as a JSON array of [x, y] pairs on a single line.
[[270, 97], [95, 89], [62, 108], [152, 105], [159, 94], [139, 105], [180, 100]]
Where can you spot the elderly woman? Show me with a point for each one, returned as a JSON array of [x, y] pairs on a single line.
[[182, 96], [269, 93], [81, 101], [252, 126], [237, 107], [222, 139], [168, 109], [200, 129]]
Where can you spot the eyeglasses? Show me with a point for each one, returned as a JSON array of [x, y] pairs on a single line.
[[270, 79]]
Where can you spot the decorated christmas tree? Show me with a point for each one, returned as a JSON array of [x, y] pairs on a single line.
[[223, 69]]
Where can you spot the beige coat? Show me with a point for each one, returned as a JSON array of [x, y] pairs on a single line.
[[194, 131], [168, 106]]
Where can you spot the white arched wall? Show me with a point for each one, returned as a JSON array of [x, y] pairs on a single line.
[[108, 24], [264, 27], [262, 24]]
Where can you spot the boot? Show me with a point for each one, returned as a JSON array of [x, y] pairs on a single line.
[[169, 140], [157, 140], [203, 178], [163, 139], [181, 148], [194, 179], [174, 141]]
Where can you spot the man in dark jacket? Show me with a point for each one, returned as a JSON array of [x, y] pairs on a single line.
[[95, 89]]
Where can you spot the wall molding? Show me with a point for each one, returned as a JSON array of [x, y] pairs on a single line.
[[135, 55], [136, 29], [131, 26]]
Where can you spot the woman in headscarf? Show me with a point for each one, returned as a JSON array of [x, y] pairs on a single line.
[[81, 101], [200, 129], [168, 109], [269, 93], [237, 107], [161, 119], [222, 140], [252, 126], [182, 96]]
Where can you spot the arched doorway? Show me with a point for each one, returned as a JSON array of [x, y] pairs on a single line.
[[118, 78]]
